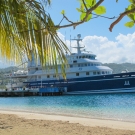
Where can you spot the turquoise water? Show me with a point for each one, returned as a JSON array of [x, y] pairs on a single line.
[[103, 106]]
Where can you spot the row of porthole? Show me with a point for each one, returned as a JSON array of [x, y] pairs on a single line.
[[79, 57]]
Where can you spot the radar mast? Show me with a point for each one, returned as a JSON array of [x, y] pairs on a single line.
[[78, 44]]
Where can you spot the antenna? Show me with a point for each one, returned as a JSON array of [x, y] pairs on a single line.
[[70, 43]]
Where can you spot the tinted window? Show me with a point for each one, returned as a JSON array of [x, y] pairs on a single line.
[[87, 73], [94, 73]]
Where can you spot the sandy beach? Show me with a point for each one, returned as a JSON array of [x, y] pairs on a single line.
[[24, 123]]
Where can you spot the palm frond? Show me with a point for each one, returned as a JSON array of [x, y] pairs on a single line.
[[26, 28]]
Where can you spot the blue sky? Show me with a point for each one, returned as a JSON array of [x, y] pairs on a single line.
[[97, 26]]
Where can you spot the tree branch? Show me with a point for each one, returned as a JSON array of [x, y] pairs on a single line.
[[104, 16], [85, 5], [120, 17], [84, 19]]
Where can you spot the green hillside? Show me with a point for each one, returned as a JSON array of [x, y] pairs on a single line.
[[117, 68]]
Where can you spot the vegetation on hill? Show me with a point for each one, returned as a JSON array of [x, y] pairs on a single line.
[[117, 68]]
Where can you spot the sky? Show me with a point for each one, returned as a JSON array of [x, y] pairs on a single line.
[[117, 46]]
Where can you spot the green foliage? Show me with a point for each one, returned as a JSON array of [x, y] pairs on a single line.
[[100, 10], [131, 15], [131, 1], [82, 16], [87, 5], [129, 24], [90, 3], [63, 12]]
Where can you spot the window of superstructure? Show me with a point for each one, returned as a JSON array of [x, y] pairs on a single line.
[[77, 74], [103, 72], [94, 73], [75, 61], [48, 76], [54, 76], [88, 64], [71, 66], [92, 57], [78, 65], [85, 64], [87, 73], [39, 77], [98, 73], [79, 57], [91, 64]]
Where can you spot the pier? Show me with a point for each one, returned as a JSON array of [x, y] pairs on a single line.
[[22, 92]]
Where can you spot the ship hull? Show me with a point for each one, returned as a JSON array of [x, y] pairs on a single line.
[[114, 83]]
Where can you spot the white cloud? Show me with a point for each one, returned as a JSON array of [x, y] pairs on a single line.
[[119, 51]]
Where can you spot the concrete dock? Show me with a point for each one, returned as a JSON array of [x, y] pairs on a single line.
[[31, 92]]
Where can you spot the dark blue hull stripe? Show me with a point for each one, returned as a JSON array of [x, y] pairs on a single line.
[[97, 80], [82, 81]]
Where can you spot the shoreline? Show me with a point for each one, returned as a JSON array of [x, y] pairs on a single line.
[[91, 122], [66, 115]]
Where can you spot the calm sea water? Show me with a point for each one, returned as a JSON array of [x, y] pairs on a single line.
[[103, 106]]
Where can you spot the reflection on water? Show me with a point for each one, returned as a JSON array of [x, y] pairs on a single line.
[[109, 106]]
